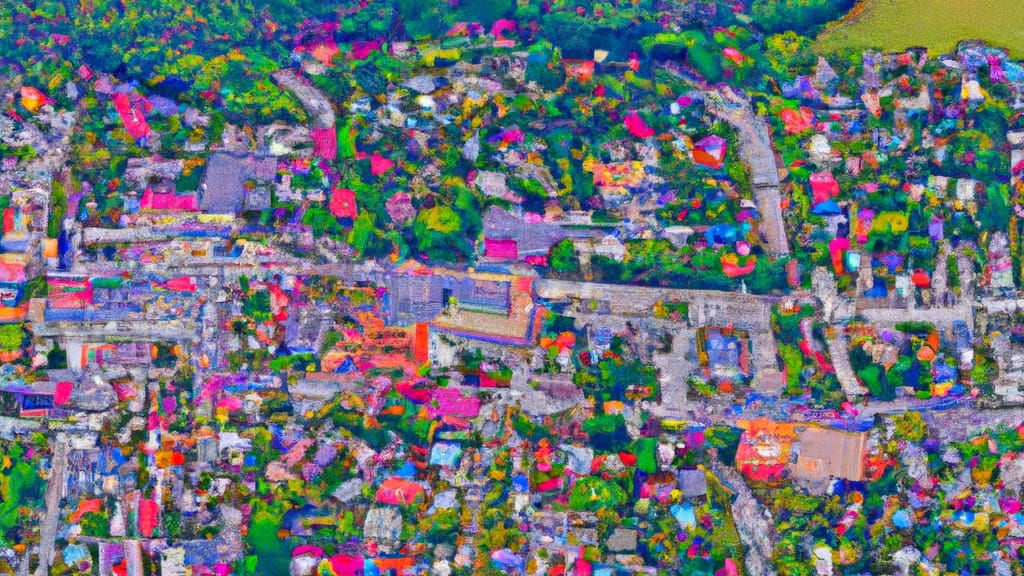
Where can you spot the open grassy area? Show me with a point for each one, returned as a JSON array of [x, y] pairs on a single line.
[[895, 25]]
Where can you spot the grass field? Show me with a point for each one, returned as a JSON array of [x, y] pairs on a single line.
[[895, 25]]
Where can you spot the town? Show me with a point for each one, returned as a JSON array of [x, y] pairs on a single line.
[[594, 288]]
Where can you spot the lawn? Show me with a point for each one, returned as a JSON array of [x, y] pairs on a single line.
[[894, 25]]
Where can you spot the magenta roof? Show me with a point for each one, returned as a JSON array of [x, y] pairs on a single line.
[[504, 249]]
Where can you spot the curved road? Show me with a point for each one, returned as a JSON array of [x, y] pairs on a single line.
[[756, 150]]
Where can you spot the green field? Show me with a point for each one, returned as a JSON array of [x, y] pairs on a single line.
[[894, 25]]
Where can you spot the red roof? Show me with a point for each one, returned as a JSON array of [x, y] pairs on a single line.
[[182, 284], [148, 517], [921, 278], [537, 260], [380, 164], [12, 272], [824, 186], [396, 491], [62, 392], [361, 49], [325, 143], [637, 127], [171, 202], [132, 115], [324, 50], [343, 203], [8, 220], [86, 507], [343, 565], [503, 249], [451, 402]]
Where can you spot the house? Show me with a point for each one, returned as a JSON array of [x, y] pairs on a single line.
[[493, 184], [398, 492], [615, 180], [489, 306], [12, 272], [724, 352], [132, 109], [383, 524], [581, 71], [230, 177], [823, 186], [451, 402], [693, 483], [399, 207], [710, 152], [501, 249], [141, 171], [764, 449], [343, 204], [168, 202], [342, 565], [610, 247], [825, 453], [508, 237]]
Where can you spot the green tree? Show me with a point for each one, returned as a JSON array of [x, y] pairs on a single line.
[[12, 336], [803, 16], [572, 33], [562, 257], [911, 426], [58, 209], [257, 306], [438, 232], [995, 214]]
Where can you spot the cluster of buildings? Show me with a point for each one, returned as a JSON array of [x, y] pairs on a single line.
[[373, 343]]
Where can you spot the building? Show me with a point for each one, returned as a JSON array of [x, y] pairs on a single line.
[[825, 453], [488, 306], [764, 449], [231, 178]]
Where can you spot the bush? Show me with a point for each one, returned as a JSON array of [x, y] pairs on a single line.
[[911, 327], [803, 16]]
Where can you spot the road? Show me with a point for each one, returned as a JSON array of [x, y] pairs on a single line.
[[755, 528], [839, 349], [321, 113], [54, 493], [756, 150], [706, 307]]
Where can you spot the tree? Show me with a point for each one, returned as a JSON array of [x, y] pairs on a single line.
[[438, 232], [995, 214], [546, 74], [56, 358], [768, 276], [592, 493], [257, 306], [562, 257], [11, 336], [911, 426], [483, 11], [370, 78], [790, 53], [423, 18], [58, 210], [575, 35], [274, 553], [803, 16]]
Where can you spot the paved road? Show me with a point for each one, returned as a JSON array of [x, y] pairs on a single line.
[[757, 533], [839, 350], [321, 113], [707, 307], [54, 493], [756, 150]]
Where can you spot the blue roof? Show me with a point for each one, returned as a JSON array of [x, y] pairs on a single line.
[[826, 208]]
